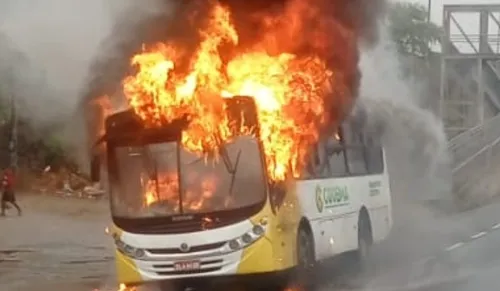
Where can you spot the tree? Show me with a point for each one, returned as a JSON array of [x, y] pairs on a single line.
[[410, 29]]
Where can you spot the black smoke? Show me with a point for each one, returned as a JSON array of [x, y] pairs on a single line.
[[179, 20]]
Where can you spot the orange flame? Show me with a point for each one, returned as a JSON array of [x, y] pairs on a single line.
[[289, 91], [124, 287], [167, 189]]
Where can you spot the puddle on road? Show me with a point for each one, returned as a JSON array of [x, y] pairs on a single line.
[[13, 252], [10, 256], [97, 248], [13, 255], [94, 277], [89, 261]]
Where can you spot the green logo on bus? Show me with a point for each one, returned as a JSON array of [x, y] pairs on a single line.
[[330, 197], [319, 199]]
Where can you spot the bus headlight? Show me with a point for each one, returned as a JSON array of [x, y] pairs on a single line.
[[258, 230], [129, 250], [234, 244], [247, 238]]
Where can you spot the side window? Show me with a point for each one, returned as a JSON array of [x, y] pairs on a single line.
[[310, 170], [374, 155], [355, 150], [335, 155], [317, 166]]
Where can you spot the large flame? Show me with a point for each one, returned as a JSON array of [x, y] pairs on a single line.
[[166, 188], [203, 42], [289, 91]]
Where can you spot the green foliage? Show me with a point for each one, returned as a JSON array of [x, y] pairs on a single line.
[[410, 30], [36, 148], [54, 149]]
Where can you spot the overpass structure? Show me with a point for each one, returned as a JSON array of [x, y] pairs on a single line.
[[470, 91]]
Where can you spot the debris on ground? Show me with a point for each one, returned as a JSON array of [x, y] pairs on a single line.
[[63, 183]]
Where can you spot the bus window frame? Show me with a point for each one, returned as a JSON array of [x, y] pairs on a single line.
[[377, 144], [314, 153], [343, 149], [359, 135]]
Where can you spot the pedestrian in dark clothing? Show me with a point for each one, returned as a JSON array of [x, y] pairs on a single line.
[[8, 193]]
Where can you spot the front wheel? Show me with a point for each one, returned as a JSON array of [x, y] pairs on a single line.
[[306, 262]]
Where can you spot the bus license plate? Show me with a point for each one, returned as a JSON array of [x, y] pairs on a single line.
[[187, 266]]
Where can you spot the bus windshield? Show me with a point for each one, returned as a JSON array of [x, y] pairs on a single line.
[[163, 179]]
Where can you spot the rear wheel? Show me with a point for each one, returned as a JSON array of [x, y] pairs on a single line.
[[364, 243]]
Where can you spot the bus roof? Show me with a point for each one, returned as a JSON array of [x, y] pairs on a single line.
[[127, 125]]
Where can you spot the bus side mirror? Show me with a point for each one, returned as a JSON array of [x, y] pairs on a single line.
[[95, 169]]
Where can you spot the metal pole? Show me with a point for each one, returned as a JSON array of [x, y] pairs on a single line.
[[480, 92], [429, 8], [13, 136]]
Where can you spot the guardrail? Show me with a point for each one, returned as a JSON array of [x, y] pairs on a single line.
[[467, 144], [476, 166], [473, 153]]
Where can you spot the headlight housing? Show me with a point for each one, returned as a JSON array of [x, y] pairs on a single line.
[[248, 238], [128, 250]]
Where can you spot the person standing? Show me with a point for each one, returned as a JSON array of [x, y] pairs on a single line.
[[8, 192]]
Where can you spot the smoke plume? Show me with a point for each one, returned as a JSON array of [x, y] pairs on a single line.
[[46, 49], [414, 136], [332, 31], [59, 55], [178, 21]]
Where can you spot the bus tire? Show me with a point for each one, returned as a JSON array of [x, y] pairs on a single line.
[[306, 261], [365, 241]]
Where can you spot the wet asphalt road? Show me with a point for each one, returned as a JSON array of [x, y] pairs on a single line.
[[459, 252], [469, 265], [60, 244], [56, 245], [477, 265]]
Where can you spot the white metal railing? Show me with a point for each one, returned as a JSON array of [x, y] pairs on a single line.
[[473, 152], [467, 144]]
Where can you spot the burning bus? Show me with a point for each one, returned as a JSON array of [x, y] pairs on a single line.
[[180, 215], [240, 153]]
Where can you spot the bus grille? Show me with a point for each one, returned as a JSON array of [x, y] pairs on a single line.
[[179, 227], [200, 271], [206, 267], [194, 249]]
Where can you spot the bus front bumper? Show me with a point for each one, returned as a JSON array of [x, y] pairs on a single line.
[[255, 259]]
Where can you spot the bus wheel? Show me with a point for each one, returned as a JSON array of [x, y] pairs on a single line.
[[306, 261], [365, 241]]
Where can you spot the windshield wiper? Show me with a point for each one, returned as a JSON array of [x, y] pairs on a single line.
[[152, 164], [231, 169], [225, 158]]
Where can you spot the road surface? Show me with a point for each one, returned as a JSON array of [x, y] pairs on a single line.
[[473, 265], [458, 253], [60, 244]]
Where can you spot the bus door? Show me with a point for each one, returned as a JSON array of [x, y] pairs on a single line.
[[287, 214], [327, 164], [339, 194]]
